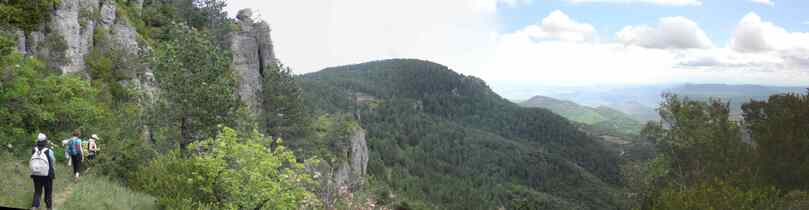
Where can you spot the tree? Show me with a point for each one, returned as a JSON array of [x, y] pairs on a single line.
[[780, 129], [197, 90], [25, 14], [33, 99], [699, 139], [282, 102]]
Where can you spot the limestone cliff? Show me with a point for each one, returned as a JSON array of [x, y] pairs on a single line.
[[65, 41], [252, 51], [340, 178]]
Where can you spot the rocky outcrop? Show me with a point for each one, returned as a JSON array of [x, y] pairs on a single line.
[[66, 40], [252, 50], [20, 41], [351, 172], [340, 178], [65, 22]]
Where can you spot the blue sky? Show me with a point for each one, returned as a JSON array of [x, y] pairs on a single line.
[[717, 17], [534, 44]]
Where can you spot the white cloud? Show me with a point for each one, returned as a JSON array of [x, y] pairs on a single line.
[[754, 35], [557, 25], [658, 2], [670, 33], [675, 50], [764, 2], [463, 34], [758, 46]]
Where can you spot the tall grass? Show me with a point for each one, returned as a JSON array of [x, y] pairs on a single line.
[[98, 192], [16, 186], [92, 192]]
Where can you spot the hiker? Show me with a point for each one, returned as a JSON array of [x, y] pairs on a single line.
[[64, 145], [75, 151], [42, 171], [92, 147]]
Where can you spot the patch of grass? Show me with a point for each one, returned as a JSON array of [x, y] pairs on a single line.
[[18, 188], [92, 192], [98, 192]]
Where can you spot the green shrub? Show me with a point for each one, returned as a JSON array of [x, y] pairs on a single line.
[[32, 100], [717, 194], [228, 172]]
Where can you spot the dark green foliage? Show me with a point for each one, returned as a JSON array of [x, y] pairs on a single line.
[[197, 89], [282, 103], [204, 15], [447, 139], [706, 161], [25, 14], [780, 128], [56, 48], [701, 141]]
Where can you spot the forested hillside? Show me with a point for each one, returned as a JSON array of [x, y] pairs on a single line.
[[443, 140], [604, 120]]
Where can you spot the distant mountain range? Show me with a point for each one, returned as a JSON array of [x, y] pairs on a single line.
[[640, 102]]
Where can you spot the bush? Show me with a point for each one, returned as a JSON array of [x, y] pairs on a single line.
[[717, 194], [32, 100], [228, 172]]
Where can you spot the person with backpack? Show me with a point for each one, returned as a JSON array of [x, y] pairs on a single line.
[[42, 171], [75, 150], [92, 147]]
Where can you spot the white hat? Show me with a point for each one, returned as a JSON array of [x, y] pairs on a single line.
[[94, 136], [41, 137]]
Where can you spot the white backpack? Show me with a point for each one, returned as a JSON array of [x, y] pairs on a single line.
[[39, 162]]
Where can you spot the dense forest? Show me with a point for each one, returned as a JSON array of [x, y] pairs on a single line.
[[445, 140]]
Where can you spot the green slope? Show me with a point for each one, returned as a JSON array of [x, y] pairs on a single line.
[[442, 140], [602, 119]]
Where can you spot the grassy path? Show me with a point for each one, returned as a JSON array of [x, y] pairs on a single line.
[[60, 198], [92, 192]]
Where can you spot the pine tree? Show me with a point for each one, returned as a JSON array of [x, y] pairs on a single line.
[[196, 86]]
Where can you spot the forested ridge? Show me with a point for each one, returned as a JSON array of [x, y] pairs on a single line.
[[447, 140]]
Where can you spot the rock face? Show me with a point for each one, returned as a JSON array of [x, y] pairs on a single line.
[[252, 50], [65, 22], [69, 36], [351, 172], [341, 178]]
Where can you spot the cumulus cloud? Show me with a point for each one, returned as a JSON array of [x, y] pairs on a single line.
[[675, 50], [670, 33], [754, 35], [756, 45], [764, 2], [557, 25], [658, 2]]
